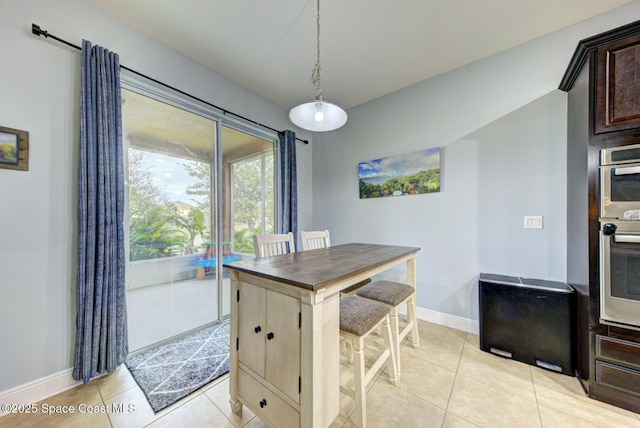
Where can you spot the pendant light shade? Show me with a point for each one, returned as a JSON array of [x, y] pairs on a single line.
[[318, 115]]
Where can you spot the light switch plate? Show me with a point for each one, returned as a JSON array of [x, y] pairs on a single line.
[[533, 222]]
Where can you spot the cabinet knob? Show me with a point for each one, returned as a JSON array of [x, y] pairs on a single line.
[[258, 329], [270, 335], [263, 403]]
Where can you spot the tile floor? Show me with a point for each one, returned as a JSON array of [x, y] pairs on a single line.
[[446, 382]]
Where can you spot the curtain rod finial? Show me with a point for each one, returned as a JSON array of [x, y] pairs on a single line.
[[35, 29]]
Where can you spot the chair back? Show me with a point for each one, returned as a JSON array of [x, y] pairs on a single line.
[[273, 245], [315, 239]]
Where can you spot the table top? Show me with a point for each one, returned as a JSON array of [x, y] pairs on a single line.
[[316, 269]]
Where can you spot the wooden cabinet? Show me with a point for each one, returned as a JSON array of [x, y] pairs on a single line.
[[617, 364], [618, 86], [251, 327], [268, 406], [603, 85], [618, 351], [268, 347]]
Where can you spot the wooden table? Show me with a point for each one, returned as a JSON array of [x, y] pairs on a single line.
[[285, 329]]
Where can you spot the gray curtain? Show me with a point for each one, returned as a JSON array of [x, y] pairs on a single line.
[[101, 339], [288, 183]]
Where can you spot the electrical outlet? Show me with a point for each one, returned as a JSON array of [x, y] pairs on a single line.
[[533, 222]]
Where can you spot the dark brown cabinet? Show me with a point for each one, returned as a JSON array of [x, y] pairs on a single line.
[[618, 364], [618, 86], [603, 86], [618, 351]]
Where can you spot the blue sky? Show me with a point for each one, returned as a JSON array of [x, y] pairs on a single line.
[[380, 170], [7, 138], [169, 175]]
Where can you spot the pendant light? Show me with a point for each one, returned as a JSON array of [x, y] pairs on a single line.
[[318, 115]]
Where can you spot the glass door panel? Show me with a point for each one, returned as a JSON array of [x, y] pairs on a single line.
[[171, 275], [247, 198]]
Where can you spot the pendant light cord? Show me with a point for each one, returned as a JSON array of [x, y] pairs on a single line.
[[315, 73], [318, 115]]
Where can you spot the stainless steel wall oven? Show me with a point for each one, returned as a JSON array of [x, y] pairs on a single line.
[[620, 236]]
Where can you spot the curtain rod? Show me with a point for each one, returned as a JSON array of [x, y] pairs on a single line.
[[35, 29]]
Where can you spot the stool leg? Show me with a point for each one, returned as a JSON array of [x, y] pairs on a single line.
[[359, 382], [411, 313], [393, 357], [395, 336]]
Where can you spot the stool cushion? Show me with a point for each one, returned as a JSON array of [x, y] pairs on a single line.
[[389, 292], [359, 315]]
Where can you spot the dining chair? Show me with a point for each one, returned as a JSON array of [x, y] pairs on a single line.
[[274, 244], [315, 239], [396, 294]]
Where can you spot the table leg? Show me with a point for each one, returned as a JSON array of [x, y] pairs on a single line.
[[236, 405], [320, 360]]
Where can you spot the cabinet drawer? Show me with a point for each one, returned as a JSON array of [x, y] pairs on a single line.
[[618, 377], [273, 410], [619, 350]]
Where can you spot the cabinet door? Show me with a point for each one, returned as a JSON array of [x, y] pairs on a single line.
[[251, 327], [618, 86], [283, 343]]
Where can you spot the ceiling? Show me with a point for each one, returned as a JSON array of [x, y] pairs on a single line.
[[369, 48]]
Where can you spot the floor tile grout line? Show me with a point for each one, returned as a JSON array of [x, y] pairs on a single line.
[[559, 410], [218, 407], [175, 406], [499, 386], [535, 395], [455, 377], [103, 400], [421, 398]]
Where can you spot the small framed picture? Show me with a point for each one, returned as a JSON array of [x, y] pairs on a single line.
[[14, 149]]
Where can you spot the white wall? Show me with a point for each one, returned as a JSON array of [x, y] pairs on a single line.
[[39, 93], [501, 124]]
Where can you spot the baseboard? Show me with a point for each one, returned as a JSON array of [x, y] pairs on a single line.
[[448, 320], [39, 389]]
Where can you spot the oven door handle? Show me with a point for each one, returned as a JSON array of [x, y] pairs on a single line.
[[626, 170], [631, 239]]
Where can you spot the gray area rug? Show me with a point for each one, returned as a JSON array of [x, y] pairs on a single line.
[[174, 370]]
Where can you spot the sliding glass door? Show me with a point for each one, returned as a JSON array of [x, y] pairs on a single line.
[[247, 197], [197, 191]]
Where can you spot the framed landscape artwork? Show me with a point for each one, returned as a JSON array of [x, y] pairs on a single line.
[[14, 149], [410, 174]]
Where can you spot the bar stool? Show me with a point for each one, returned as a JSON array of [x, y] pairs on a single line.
[[396, 294], [359, 317]]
